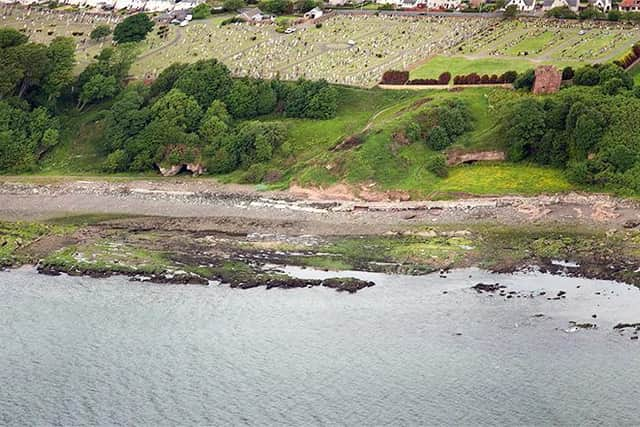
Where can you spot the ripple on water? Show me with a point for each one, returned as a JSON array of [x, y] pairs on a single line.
[[87, 351]]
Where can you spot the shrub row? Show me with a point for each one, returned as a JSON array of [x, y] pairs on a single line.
[[630, 57], [475, 78], [393, 77]]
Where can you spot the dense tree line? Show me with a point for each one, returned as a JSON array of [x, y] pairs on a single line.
[[33, 77], [193, 113], [34, 71], [589, 129], [198, 114]]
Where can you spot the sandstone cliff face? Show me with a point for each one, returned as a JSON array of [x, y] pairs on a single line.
[[548, 80]]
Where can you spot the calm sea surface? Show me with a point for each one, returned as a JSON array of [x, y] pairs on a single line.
[[86, 351]]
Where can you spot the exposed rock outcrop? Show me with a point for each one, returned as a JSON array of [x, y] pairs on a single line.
[[195, 169], [456, 157]]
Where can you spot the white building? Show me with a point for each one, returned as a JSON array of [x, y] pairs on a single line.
[[522, 5], [443, 4], [314, 13]]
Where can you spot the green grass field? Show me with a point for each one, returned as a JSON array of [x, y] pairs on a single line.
[[521, 44], [458, 65]]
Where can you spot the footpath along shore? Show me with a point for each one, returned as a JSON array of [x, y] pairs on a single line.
[[21, 200]]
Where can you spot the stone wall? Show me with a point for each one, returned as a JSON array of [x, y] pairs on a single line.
[[548, 80]]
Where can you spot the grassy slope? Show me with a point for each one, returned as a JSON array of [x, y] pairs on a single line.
[[391, 166], [635, 73], [309, 159], [78, 149]]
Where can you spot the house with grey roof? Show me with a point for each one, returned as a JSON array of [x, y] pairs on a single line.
[[253, 14]]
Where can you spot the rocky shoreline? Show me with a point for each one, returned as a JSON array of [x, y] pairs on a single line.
[[197, 231], [349, 285]]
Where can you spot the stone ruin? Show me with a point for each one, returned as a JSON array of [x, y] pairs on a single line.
[[548, 80]]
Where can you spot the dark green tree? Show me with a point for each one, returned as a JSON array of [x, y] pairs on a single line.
[[206, 81], [100, 32], [133, 28]]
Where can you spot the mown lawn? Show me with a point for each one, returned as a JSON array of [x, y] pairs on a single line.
[[458, 65], [532, 44]]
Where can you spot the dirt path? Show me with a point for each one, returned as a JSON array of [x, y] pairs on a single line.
[[196, 204]]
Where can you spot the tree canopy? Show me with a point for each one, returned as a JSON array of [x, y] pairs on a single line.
[[133, 28]]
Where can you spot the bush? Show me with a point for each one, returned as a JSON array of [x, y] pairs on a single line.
[[395, 77], [100, 32], [475, 78], [613, 86], [611, 71], [631, 179], [525, 80], [511, 11], [444, 78], [201, 11], [591, 12], [578, 173], [586, 76], [567, 73], [413, 132], [232, 20], [508, 77], [255, 174], [561, 13], [437, 165], [630, 57], [115, 162], [614, 15], [438, 139]]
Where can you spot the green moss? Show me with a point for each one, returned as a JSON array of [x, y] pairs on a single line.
[[106, 256], [325, 263], [16, 236], [87, 219]]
